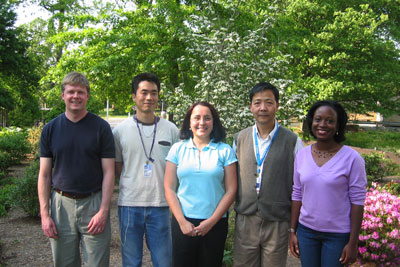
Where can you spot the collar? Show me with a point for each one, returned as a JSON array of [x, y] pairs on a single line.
[[146, 124], [271, 134], [211, 145]]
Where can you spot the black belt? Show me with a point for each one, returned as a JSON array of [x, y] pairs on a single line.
[[74, 195]]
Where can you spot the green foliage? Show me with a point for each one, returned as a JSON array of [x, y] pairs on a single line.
[[26, 195], [13, 141], [377, 166], [217, 50], [374, 139], [231, 62], [17, 80], [228, 250], [392, 187], [7, 198], [5, 162]]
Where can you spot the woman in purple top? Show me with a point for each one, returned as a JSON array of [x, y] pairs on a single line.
[[328, 192]]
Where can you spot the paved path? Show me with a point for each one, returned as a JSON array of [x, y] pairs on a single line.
[[114, 121]]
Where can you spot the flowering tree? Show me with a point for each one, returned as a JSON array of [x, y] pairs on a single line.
[[379, 239], [230, 63]]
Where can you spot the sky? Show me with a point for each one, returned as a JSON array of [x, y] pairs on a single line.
[[27, 13]]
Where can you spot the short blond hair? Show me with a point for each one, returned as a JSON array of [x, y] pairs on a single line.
[[75, 78]]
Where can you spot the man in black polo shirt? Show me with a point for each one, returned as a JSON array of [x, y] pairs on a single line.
[[77, 161]]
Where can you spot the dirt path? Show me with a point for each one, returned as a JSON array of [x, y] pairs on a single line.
[[23, 243]]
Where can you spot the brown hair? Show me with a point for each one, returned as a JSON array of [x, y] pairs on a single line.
[[75, 78]]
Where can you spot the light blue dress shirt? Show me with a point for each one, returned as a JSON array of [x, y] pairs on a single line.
[[200, 176]]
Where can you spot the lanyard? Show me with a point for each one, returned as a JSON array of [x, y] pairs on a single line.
[[261, 160], [154, 138]]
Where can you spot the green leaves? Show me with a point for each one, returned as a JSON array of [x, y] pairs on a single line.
[[217, 50]]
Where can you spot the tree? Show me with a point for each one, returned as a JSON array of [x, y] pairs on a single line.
[[341, 50], [17, 82], [230, 63], [125, 43]]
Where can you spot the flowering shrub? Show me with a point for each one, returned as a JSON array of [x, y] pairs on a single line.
[[379, 239]]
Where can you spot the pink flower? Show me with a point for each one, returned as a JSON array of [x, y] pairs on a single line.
[[375, 235], [379, 238], [392, 246], [374, 244], [374, 256], [362, 250]]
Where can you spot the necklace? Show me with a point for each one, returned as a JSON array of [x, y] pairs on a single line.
[[324, 154]]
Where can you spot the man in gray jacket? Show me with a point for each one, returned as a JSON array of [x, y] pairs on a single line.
[[265, 153]]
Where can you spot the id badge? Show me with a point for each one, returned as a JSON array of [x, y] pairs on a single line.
[[259, 178], [147, 171]]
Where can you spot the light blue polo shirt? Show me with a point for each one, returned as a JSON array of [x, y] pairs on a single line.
[[200, 176]]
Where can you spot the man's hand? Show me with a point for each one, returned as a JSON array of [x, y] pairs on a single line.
[[49, 228], [97, 223]]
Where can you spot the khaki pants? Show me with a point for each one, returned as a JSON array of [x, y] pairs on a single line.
[[259, 242], [72, 217]]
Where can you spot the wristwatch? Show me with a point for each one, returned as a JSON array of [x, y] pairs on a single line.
[[291, 230]]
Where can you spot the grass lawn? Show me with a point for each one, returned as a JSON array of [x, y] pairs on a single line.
[[375, 139]]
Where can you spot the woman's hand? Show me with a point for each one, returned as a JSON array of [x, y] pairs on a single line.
[[294, 245], [204, 227], [349, 254], [187, 228]]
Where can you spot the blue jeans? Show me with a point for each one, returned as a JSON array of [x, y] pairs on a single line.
[[134, 223], [320, 248]]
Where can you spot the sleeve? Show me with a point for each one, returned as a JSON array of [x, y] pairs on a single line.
[[173, 154], [299, 145], [357, 181], [45, 151], [296, 193], [176, 135], [107, 142], [230, 156], [235, 136], [118, 148]]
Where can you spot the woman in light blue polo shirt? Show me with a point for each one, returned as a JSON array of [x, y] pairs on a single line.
[[200, 185]]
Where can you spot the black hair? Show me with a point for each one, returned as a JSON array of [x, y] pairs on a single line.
[[218, 133], [341, 118], [263, 86], [146, 76]]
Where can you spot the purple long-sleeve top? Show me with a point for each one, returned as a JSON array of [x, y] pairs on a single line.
[[327, 192]]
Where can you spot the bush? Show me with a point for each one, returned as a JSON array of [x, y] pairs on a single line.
[[26, 195], [392, 187], [6, 199], [34, 138], [379, 239], [5, 162], [13, 141], [228, 250], [377, 167]]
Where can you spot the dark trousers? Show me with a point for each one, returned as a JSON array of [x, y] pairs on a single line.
[[199, 251]]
